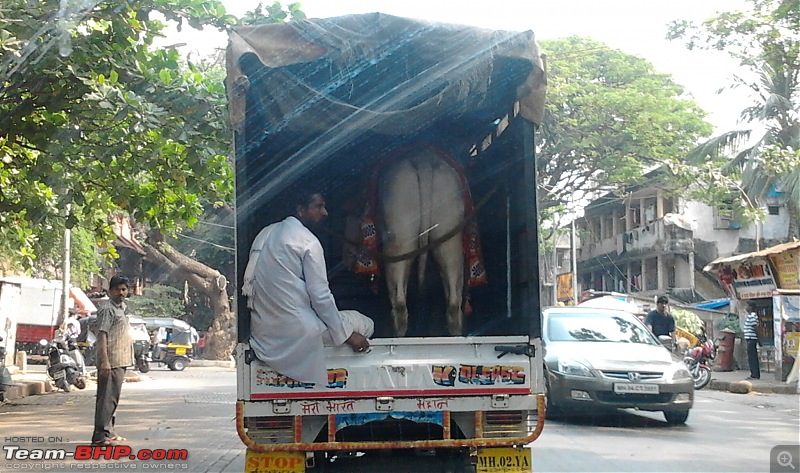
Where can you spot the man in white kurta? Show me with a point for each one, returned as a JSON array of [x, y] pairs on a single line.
[[292, 306]]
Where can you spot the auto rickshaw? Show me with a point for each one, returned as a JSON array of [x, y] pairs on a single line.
[[173, 345], [141, 343]]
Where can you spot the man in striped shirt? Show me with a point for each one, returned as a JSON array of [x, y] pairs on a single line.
[[751, 338], [114, 355]]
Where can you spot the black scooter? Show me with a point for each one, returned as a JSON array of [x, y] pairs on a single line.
[[65, 364]]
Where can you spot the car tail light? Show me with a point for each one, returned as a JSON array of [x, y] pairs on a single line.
[[270, 430]]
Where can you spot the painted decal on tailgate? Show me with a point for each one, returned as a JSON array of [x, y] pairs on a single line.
[[478, 374], [350, 420]]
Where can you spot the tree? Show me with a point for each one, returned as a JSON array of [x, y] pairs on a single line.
[[96, 120], [764, 157], [609, 118]]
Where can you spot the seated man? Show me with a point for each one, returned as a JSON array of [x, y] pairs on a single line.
[[293, 311]]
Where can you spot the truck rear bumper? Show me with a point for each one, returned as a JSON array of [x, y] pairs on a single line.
[[489, 432]]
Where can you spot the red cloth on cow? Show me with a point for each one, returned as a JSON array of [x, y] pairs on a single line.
[[366, 261]]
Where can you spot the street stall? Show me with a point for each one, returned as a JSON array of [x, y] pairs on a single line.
[[769, 280]]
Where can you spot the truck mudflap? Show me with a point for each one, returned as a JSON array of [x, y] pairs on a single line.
[[423, 393]]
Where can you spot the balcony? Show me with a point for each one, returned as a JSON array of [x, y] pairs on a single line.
[[665, 235]]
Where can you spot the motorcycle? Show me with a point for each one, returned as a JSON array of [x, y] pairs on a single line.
[[65, 364], [5, 375], [697, 360]]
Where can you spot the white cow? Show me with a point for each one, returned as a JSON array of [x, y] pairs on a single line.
[[420, 203]]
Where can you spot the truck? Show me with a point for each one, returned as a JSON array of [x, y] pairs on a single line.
[[39, 312], [324, 102]]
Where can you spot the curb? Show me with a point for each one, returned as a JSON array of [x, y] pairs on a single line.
[[25, 388], [745, 387]]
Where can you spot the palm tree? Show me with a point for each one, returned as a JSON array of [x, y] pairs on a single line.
[[765, 157]]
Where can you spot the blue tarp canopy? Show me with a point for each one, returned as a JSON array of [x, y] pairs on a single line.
[[714, 304]]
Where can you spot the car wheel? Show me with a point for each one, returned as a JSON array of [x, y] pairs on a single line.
[[551, 411], [676, 417]]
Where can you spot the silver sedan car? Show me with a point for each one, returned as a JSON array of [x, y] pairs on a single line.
[[607, 359]]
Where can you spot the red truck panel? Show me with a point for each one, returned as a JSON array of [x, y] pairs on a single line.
[[34, 333]]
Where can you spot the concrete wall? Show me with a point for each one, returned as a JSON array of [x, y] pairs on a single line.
[[726, 240]]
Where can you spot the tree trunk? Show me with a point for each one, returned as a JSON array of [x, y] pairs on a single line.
[[794, 211], [221, 337]]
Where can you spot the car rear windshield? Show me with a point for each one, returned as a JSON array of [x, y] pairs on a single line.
[[596, 327]]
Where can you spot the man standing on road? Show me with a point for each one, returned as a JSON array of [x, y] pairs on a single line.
[[751, 338], [660, 321], [294, 313], [114, 355]]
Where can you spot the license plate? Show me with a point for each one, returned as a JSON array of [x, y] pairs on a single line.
[[274, 462], [504, 460], [180, 351], [635, 388], [59, 374]]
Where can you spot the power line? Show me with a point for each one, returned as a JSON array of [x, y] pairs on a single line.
[[227, 248]]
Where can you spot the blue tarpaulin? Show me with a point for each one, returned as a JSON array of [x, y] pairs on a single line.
[[714, 304]]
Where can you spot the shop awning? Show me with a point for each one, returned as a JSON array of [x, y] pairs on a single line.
[[713, 304], [714, 265]]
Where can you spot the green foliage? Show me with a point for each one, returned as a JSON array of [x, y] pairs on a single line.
[[730, 322], [157, 301], [92, 115], [84, 260], [609, 117], [688, 320], [766, 41]]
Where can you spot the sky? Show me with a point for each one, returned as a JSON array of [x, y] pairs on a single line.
[[636, 27]]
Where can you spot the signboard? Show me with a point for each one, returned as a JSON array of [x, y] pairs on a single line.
[[564, 287], [750, 279], [787, 268]]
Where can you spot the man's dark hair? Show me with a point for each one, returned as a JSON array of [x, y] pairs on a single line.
[[118, 280], [303, 198], [662, 300]]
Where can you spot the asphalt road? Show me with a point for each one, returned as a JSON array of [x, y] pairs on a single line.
[[194, 410]]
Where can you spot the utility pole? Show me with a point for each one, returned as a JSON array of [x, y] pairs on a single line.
[[573, 259], [65, 280]]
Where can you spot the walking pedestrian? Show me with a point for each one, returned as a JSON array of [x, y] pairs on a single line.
[[114, 355], [751, 339]]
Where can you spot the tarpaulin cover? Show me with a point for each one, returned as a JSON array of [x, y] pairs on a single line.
[[380, 73]]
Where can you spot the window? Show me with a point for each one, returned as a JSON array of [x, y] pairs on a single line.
[[774, 209], [724, 216]]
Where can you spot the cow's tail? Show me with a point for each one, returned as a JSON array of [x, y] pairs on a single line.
[[425, 170]]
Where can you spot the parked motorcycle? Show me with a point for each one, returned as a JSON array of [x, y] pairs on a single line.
[[5, 375], [65, 364], [697, 360]]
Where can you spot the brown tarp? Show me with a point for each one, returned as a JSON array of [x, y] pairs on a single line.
[[382, 73]]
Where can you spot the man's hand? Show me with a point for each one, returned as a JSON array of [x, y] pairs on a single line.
[[104, 369], [357, 342]]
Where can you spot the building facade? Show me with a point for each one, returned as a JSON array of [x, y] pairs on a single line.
[[650, 242]]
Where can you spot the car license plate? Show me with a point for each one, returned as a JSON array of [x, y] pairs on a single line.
[[274, 462], [59, 374], [180, 351], [635, 388], [504, 460]]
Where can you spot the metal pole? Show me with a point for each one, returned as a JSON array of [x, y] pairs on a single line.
[[573, 259], [65, 279]]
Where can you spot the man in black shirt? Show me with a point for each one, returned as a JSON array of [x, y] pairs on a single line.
[[659, 321]]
